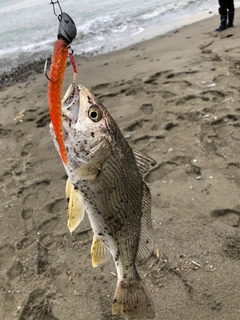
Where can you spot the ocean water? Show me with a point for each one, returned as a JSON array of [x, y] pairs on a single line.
[[28, 28]]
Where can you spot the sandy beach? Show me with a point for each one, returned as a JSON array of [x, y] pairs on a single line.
[[176, 98]]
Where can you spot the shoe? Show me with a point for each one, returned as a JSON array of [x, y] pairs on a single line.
[[223, 23], [230, 19]]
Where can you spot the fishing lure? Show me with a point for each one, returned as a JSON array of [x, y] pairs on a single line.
[[66, 33], [56, 75]]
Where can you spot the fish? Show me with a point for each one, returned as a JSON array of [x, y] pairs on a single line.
[[106, 181]]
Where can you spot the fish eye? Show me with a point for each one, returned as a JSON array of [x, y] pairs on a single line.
[[95, 113]]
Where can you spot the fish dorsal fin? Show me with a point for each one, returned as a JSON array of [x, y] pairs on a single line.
[[75, 206], [143, 161], [146, 239], [99, 252]]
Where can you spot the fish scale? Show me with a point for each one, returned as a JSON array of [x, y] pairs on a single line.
[[117, 204]]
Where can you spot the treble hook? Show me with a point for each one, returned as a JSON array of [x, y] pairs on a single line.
[[70, 54], [45, 70]]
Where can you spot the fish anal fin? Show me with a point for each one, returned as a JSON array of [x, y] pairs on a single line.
[[132, 299], [88, 171], [99, 252], [146, 238], [143, 161], [75, 207]]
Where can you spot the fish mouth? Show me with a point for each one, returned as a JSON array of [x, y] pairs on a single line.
[[71, 103]]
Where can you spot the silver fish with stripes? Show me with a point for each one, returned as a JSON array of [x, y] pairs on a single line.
[[106, 181]]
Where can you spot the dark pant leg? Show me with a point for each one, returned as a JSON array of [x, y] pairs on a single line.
[[231, 10], [223, 7], [230, 5]]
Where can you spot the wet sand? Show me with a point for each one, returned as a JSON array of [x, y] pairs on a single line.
[[176, 98]]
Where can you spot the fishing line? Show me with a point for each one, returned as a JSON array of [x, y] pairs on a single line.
[[54, 9]]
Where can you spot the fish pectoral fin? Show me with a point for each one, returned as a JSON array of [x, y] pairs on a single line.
[[75, 206], [146, 242], [88, 171], [143, 161], [99, 252]]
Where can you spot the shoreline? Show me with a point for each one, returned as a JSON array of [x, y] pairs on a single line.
[[23, 71]]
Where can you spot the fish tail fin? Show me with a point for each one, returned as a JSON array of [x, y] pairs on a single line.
[[133, 300]]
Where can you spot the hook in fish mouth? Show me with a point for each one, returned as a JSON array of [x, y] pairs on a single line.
[[71, 103]]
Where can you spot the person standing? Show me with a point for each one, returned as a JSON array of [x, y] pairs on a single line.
[[226, 11]]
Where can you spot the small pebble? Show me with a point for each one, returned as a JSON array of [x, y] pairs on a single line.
[[211, 85]]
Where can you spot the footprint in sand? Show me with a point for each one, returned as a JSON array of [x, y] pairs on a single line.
[[15, 270], [162, 170], [153, 78], [43, 120], [206, 45], [186, 98], [233, 172], [100, 86], [173, 75], [57, 205], [29, 204], [235, 134], [18, 134], [22, 243], [42, 256], [146, 139], [37, 306], [30, 197], [228, 216], [167, 95], [4, 131], [84, 235], [156, 127], [212, 95], [170, 125], [49, 225], [180, 83], [8, 251], [136, 125], [146, 108], [26, 149], [29, 115], [27, 213], [228, 227], [220, 124]]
